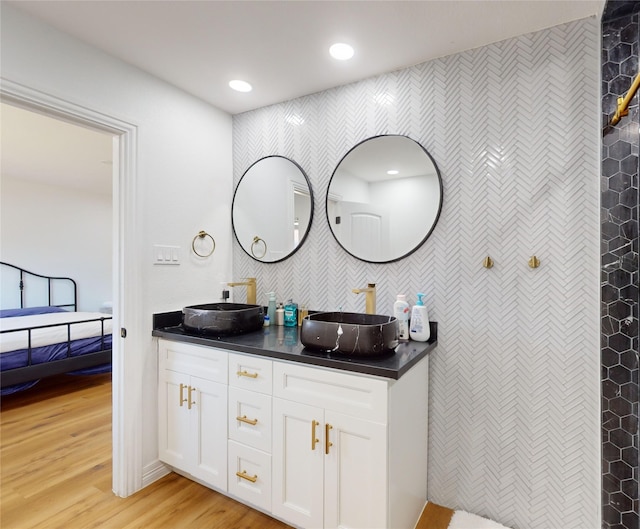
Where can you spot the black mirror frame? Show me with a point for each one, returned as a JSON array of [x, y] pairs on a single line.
[[433, 225], [311, 212]]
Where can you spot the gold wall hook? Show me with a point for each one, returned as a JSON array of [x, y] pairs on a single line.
[[534, 262], [488, 262]]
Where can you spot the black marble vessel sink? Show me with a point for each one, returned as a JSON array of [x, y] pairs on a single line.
[[222, 319], [350, 333]]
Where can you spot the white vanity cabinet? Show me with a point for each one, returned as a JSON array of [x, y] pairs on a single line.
[[349, 450], [192, 420], [316, 447], [330, 469]]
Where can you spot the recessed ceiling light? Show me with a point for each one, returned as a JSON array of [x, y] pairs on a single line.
[[393, 171], [240, 86], [341, 51]]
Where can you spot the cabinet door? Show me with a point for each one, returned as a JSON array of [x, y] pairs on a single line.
[[174, 420], [298, 463], [209, 427], [355, 473]]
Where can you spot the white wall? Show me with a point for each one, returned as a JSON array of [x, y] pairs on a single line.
[[418, 195], [183, 174], [514, 389], [59, 231]]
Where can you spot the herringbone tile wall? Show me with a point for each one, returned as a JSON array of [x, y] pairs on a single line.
[[514, 384]]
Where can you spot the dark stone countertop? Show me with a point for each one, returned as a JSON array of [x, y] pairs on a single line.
[[283, 343]]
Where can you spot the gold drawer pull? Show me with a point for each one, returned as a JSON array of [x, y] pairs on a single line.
[[246, 476], [190, 402], [314, 439], [327, 444], [245, 373], [182, 399], [244, 419]]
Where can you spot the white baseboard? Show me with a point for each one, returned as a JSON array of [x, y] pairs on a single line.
[[153, 472]]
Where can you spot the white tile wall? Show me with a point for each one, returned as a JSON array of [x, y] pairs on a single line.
[[514, 400]]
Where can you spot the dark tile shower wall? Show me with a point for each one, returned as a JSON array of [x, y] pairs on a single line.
[[619, 270]]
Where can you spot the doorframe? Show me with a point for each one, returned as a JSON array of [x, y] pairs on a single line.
[[127, 290]]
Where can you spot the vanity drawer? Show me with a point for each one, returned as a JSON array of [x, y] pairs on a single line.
[[250, 372], [249, 475], [355, 395], [204, 362], [250, 418]]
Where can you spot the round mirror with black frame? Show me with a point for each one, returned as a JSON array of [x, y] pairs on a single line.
[[384, 198], [272, 209]]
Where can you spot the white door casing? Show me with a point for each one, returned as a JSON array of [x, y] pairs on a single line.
[[127, 298]]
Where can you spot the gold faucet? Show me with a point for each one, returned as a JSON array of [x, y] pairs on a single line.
[[370, 302], [251, 289]]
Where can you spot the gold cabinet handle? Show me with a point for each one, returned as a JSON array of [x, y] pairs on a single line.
[[246, 476], [247, 374], [244, 419], [182, 399], [327, 444], [314, 440], [190, 402]]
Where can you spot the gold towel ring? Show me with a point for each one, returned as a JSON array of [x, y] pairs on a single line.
[[257, 240], [201, 235]]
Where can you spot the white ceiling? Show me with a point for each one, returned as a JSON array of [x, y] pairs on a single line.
[[281, 47], [49, 151]]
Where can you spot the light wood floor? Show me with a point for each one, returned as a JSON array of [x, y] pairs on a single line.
[[55, 469]]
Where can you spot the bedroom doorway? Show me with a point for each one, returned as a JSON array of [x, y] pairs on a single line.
[[57, 178], [126, 289]]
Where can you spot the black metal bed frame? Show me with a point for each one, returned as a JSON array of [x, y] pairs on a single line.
[[49, 279], [32, 372]]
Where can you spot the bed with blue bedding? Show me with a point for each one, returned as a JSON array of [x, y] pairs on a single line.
[[48, 339]]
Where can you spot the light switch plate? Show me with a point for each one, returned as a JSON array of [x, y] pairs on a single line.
[[166, 255]]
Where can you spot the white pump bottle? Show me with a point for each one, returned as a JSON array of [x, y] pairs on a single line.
[[401, 312], [419, 328]]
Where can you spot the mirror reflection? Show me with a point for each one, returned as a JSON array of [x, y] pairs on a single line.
[[384, 198], [272, 209]]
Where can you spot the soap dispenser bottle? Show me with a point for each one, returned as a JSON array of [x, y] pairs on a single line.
[[401, 312], [271, 308], [419, 329]]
